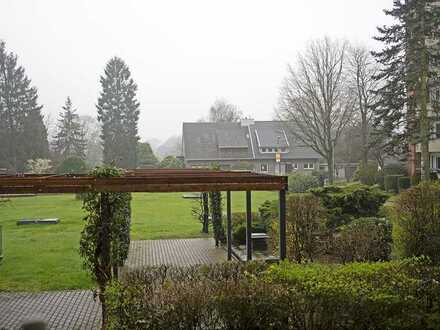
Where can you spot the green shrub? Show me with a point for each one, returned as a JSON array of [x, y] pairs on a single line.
[[416, 226], [268, 211], [365, 239], [239, 226], [349, 202], [395, 169], [300, 183], [404, 183], [367, 174], [305, 220], [71, 165], [389, 295], [391, 183]]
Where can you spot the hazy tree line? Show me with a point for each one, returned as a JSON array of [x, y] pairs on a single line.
[[76, 141]]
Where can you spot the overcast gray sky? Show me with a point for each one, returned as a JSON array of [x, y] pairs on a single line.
[[182, 54]]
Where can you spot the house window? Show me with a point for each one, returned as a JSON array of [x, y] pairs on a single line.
[[309, 166], [264, 168]]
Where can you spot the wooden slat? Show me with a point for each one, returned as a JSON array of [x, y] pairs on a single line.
[[147, 181]]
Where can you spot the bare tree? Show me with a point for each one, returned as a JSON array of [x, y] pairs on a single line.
[[223, 111], [315, 100], [362, 69]]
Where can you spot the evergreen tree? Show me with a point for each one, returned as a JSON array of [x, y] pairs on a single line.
[[145, 155], [23, 135], [118, 112], [70, 139], [409, 60]]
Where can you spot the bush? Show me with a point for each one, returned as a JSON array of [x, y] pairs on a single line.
[[305, 219], [300, 183], [268, 211], [391, 183], [367, 175], [416, 226], [365, 239], [404, 183], [349, 202], [239, 226], [391, 295], [72, 165]]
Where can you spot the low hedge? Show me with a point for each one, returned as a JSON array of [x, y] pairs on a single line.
[[391, 183], [391, 295], [301, 183]]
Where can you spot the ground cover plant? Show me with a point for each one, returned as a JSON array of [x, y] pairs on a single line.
[[392, 295], [39, 258]]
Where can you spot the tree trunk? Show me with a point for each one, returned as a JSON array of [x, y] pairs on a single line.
[[331, 167], [423, 98]]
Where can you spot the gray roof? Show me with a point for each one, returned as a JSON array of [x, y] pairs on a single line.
[[216, 141]]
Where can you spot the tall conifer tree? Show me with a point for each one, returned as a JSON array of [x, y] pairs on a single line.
[[23, 134], [118, 112], [70, 138], [410, 65]]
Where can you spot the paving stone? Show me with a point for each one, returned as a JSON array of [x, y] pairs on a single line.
[[65, 310]]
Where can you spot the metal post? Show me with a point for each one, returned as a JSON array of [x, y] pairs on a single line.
[[282, 224], [248, 226], [229, 224]]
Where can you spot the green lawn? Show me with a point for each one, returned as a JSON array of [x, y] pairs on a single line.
[[45, 257]]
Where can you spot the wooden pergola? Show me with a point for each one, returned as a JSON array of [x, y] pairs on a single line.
[[164, 180]]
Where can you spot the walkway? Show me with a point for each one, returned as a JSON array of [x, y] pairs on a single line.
[[66, 310]]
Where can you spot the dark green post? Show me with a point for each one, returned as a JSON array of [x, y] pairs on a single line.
[[248, 226], [282, 224], [229, 224]]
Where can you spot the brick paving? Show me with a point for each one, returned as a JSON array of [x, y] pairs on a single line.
[[77, 309], [177, 252], [61, 310]]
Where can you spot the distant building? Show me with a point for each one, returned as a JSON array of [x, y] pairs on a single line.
[[248, 145]]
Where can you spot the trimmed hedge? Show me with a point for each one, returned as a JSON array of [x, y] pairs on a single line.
[[301, 183], [391, 295], [391, 183], [404, 183]]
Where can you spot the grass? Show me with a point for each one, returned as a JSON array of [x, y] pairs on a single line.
[[45, 257]]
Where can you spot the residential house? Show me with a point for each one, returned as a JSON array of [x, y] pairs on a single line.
[[259, 146]]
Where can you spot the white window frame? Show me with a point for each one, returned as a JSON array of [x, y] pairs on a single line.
[[267, 168], [309, 166]]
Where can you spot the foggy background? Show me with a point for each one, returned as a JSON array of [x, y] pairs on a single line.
[[182, 54]]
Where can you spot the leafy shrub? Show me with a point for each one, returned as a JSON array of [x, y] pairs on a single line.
[[365, 239], [390, 295], [321, 176], [305, 219], [72, 165], [239, 226], [404, 183], [416, 226], [367, 174], [300, 183], [349, 202], [391, 183]]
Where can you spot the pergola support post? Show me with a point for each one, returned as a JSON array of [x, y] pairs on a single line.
[[229, 224], [248, 226], [282, 200]]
